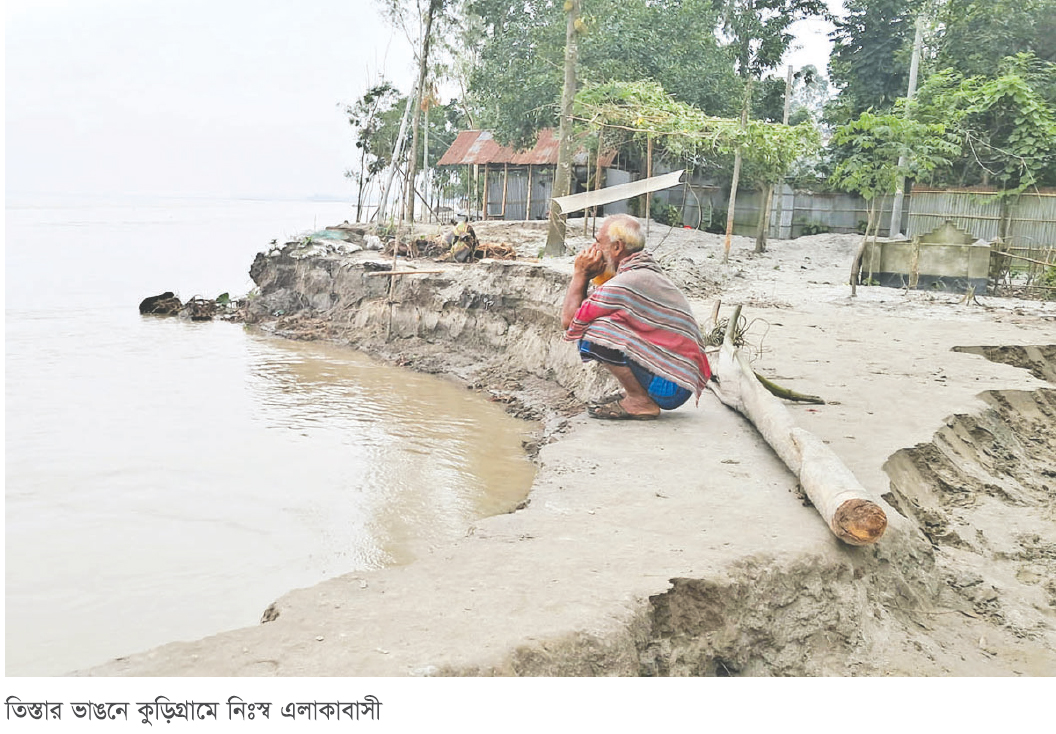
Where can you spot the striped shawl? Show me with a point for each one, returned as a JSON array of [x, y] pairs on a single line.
[[641, 313]]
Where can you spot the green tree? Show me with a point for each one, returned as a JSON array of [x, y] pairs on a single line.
[[874, 146], [810, 90], [1006, 125], [757, 35], [515, 88], [371, 117], [637, 111], [975, 36], [376, 119], [870, 55], [758, 32]]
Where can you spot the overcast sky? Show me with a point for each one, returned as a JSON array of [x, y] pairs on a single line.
[[210, 97], [198, 97]]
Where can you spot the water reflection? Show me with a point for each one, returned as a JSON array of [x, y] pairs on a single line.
[[420, 458]]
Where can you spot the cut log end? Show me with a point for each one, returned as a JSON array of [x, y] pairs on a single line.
[[859, 522]]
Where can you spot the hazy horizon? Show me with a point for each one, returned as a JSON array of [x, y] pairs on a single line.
[[200, 98]]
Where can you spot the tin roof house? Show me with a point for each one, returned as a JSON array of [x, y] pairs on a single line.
[[517, 185]]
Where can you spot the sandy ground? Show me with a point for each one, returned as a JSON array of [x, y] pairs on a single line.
[[684, 546]]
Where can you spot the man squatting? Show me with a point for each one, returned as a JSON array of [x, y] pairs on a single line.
[[637, 324]]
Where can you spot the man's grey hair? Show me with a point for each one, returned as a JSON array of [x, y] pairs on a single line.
[[626, 229]]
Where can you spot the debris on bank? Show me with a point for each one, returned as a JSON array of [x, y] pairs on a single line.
[[196, 309], [164, 304], [458, 244]]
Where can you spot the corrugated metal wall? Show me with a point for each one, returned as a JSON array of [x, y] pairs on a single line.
[[1034, 221], [1031, 217], [793, 213], [516, 179]]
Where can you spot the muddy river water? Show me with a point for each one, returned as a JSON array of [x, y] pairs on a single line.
[[167, 480]]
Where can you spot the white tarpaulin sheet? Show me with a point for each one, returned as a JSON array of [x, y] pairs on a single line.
[[609, 194]]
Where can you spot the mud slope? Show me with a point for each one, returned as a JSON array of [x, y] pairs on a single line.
[[494, 324], [983, 491]]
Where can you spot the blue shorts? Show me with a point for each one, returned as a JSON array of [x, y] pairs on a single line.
[[668, 395]]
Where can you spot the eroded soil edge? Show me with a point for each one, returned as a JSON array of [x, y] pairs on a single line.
[[961, 583]]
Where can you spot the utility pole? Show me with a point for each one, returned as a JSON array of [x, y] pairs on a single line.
[[555, 235], [788, 96], [895, 228]]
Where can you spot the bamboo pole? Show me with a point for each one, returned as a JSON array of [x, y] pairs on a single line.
[[648, 174], [505, 187], [736, 175], [835, 492], [768, 200], [528, 204], [401, 272], [1005, 253], [392, 284], [597, 177], [586, 218]]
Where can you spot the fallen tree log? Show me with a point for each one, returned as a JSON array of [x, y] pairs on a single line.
[[832, 488]]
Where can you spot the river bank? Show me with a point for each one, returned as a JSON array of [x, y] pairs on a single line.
[[683, 546]]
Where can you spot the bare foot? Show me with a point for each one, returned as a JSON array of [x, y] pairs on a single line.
[[617, 412], [640, 405]]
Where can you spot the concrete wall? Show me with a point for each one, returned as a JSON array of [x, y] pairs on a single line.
[[923, 265]]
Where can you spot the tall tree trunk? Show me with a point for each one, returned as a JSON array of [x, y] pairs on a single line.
[[555, 236], [426, 188], [764, 218], [397, 151], [856, 264], [736, 173], [423, 67]]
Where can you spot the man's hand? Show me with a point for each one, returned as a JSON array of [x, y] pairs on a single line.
[[590, 262]]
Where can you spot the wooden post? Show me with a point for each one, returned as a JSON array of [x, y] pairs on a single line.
[[768, 199], [648, 174], [736, 173], [505, 186], [733, 204], [484, 203], [597, 177], [895, 227], [528, 204], [586, 218]]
